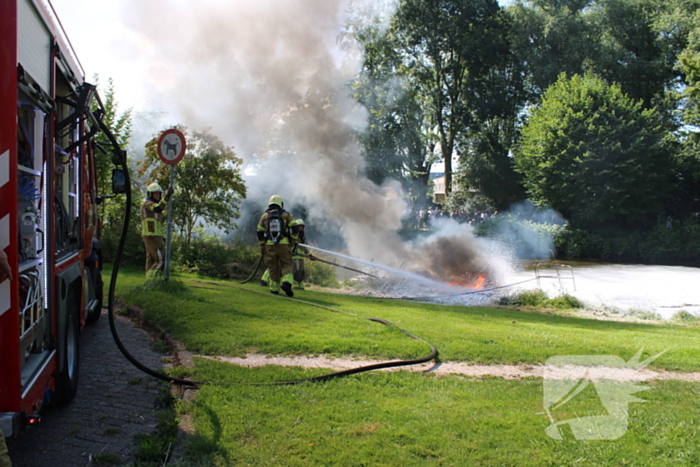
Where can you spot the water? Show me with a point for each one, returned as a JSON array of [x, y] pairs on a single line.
[[438, 286], [613, 289]]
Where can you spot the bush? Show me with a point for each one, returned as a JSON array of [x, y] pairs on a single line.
[[657, 245], [322, 274], [215, 258], [534, 298], [538, 299], [563, 302], [685, 317]]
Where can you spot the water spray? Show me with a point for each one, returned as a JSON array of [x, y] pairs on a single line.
[[398, 272]]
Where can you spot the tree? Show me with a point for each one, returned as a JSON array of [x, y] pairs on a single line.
[[595, 155], [551, 37], [209, 186], [487, 167], [633, 51], [620, 40], [118, 123], [449, 49], [111, 211], [397, 142]]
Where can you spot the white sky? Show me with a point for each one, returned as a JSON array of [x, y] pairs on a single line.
[[106, 46]]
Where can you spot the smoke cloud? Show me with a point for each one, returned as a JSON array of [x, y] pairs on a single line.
[[271, 77]]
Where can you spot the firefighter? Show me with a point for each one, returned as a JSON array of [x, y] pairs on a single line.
[[153, 229], [276, 241], [298, 270]]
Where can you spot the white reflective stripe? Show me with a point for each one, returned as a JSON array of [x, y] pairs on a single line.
[[4, 167], [160, 260], [4, 232], [5, 290], [5, 296]]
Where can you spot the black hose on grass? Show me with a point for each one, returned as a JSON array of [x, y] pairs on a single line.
[[433, 355], [255, 271], [115, 272]]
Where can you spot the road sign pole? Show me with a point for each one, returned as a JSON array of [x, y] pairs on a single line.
[[166, 272], [171, 149]]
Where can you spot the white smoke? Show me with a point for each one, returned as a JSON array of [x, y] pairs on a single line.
[[271, 78]]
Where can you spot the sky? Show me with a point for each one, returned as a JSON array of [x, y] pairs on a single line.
[[109, 43]]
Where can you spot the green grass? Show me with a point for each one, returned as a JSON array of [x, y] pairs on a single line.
[[403, 418], [223, 318], [408, 419]]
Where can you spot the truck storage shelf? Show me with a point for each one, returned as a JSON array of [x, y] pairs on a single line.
[[29, 171], [23, 266]]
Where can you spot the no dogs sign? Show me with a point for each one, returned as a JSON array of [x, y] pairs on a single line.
[[171, 146]]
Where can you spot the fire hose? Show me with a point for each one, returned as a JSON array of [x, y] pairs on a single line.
[[120, 160], [433, 355], [255, 271], [314, 258]]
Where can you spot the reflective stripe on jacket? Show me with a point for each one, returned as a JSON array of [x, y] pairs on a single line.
[[287, 236], [152, 217]]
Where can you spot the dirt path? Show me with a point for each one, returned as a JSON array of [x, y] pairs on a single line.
[[466, 369]]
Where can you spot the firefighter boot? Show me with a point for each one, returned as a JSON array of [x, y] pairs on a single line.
[[274, 287], [265, 279], [287, 287]]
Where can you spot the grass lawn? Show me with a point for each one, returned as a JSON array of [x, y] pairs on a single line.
[[405, 418]]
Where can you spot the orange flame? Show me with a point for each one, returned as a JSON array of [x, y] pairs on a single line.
[[476, 284]]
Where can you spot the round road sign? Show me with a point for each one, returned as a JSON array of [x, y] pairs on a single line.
[[171, 146]]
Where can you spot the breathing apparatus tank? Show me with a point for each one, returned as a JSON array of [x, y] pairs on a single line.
[[275, 226]]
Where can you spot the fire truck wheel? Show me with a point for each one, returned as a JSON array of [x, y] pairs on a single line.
[[95, 314], [67, 380]]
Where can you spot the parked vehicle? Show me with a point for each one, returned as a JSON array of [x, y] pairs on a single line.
[[51, 129]]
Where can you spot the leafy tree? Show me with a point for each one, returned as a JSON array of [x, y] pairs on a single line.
[[633, 51], [208, 180], [551, 37], [621, 40], [595, 155], [688, 175], [111, 211], [397, 142], [119, 123], [449, 49], [487, 166]]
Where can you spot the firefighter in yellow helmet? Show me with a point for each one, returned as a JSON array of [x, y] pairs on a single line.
[[276, 240], [298, 253], [153, 228]]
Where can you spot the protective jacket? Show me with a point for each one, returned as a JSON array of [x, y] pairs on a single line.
[[266, 235], [152, 216]]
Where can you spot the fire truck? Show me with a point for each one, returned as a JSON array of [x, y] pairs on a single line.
[[51, 130]]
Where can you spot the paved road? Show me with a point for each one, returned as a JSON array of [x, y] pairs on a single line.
[[114, 403]]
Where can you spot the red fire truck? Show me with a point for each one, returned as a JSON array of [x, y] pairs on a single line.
[[51, 129]]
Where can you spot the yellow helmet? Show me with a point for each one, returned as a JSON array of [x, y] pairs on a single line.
[[276, 199], [154, 188], [297, 222]]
